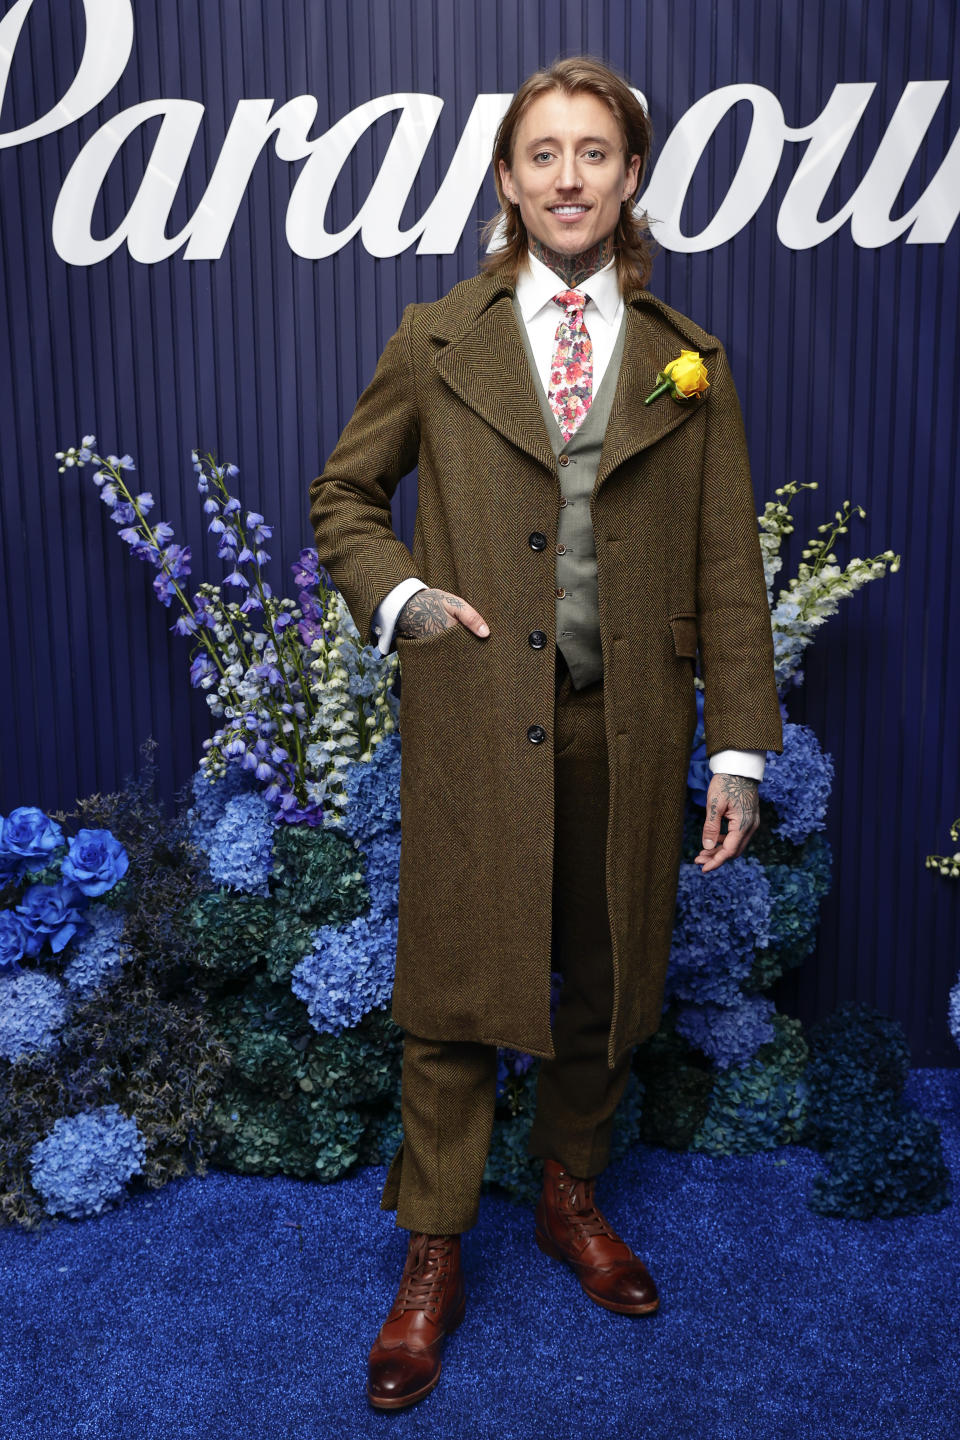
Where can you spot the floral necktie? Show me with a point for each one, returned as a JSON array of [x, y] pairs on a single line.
[[571, 370]]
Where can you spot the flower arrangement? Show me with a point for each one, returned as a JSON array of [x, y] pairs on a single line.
[[295, 693], [949, 867], [293, 926], [108, 1066]]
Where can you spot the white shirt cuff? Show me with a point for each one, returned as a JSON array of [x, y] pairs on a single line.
[[386, 613], [739, 762]]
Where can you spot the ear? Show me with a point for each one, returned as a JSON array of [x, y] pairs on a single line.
[[633, 174], [506, 182]]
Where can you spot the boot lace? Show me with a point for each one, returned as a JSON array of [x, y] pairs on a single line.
[[579, 1208], [425, 1274]]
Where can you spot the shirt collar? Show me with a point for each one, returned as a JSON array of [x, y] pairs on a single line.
[[537, 284]]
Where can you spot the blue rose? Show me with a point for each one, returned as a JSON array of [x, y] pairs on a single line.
[[52, 912], [95, 861], [13, 939], [26, 835]]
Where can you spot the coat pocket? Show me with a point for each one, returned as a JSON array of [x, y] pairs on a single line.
[[684, 629]]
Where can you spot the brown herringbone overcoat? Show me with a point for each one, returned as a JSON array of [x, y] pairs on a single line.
[[678, 561]]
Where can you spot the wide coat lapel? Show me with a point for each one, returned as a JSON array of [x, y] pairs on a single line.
[[648, 345], [484, 362], [481, 357]]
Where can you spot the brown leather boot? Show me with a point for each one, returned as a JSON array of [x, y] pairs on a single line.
[[571, 1228], [404, 1363]]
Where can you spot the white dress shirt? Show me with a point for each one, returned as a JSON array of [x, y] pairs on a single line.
[[603, 312]]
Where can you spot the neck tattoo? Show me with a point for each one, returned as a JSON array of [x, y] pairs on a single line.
[[574, 269]]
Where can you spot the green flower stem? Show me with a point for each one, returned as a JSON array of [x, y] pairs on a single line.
[[664, 385]]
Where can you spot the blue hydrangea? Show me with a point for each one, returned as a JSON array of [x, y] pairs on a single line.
[[240, 845], [728, 1034], [100, 955], [373, 794], [348, 972], [798, 783], [953, 1013], [210, 800], [721, 919], [33, 1006], [84, 1163], [382, 873]]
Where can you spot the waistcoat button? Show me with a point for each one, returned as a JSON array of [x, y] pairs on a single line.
[[536, 734], [560, 592], [563, 501], [564, 460], [537, 639], [538, 541], [561, 549]]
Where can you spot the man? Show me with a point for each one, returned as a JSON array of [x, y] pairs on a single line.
[[572, 547]]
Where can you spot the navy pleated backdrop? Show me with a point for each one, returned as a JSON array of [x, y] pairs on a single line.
[[845, 355]]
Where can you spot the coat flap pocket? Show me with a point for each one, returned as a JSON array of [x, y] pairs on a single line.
[[684, 629]]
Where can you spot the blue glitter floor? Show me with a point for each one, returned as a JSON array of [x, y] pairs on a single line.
[[242, 1307]]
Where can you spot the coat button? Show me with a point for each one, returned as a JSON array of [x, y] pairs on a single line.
[[538, 541], [536, 734], [563, 460], [538, 639]]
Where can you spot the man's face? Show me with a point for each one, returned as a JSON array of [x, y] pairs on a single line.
[[569, 174]]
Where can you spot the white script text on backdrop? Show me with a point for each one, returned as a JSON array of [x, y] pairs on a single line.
[[107, 48]]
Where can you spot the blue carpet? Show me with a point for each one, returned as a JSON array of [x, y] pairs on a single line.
[[241, 1307]]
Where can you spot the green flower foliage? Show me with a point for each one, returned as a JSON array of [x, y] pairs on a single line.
[[797, 886], [298, 1102], [678, 1081], [319, 874], [154, 1057], [510, 1168], [143, 1042], [893, 1167], [759, 1105], [236, 934], [381, 1139]]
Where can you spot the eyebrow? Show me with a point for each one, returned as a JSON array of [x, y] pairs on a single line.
[[584, 140]]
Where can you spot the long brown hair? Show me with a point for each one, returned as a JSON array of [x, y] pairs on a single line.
[[634, 245]]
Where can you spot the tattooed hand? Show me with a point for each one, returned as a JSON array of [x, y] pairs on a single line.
[[428, 612], [738, 798]]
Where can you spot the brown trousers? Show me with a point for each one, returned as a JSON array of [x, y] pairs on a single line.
[[448, 1088]]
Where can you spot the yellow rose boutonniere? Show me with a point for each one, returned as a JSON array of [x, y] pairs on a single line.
[[684, 378]]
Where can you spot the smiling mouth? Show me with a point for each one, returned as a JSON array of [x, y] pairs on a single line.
[[571, 211]]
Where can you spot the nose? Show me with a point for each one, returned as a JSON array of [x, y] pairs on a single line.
[[567, 176]]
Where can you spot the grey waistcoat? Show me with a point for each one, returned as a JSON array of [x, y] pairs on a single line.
[[577, 609]]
